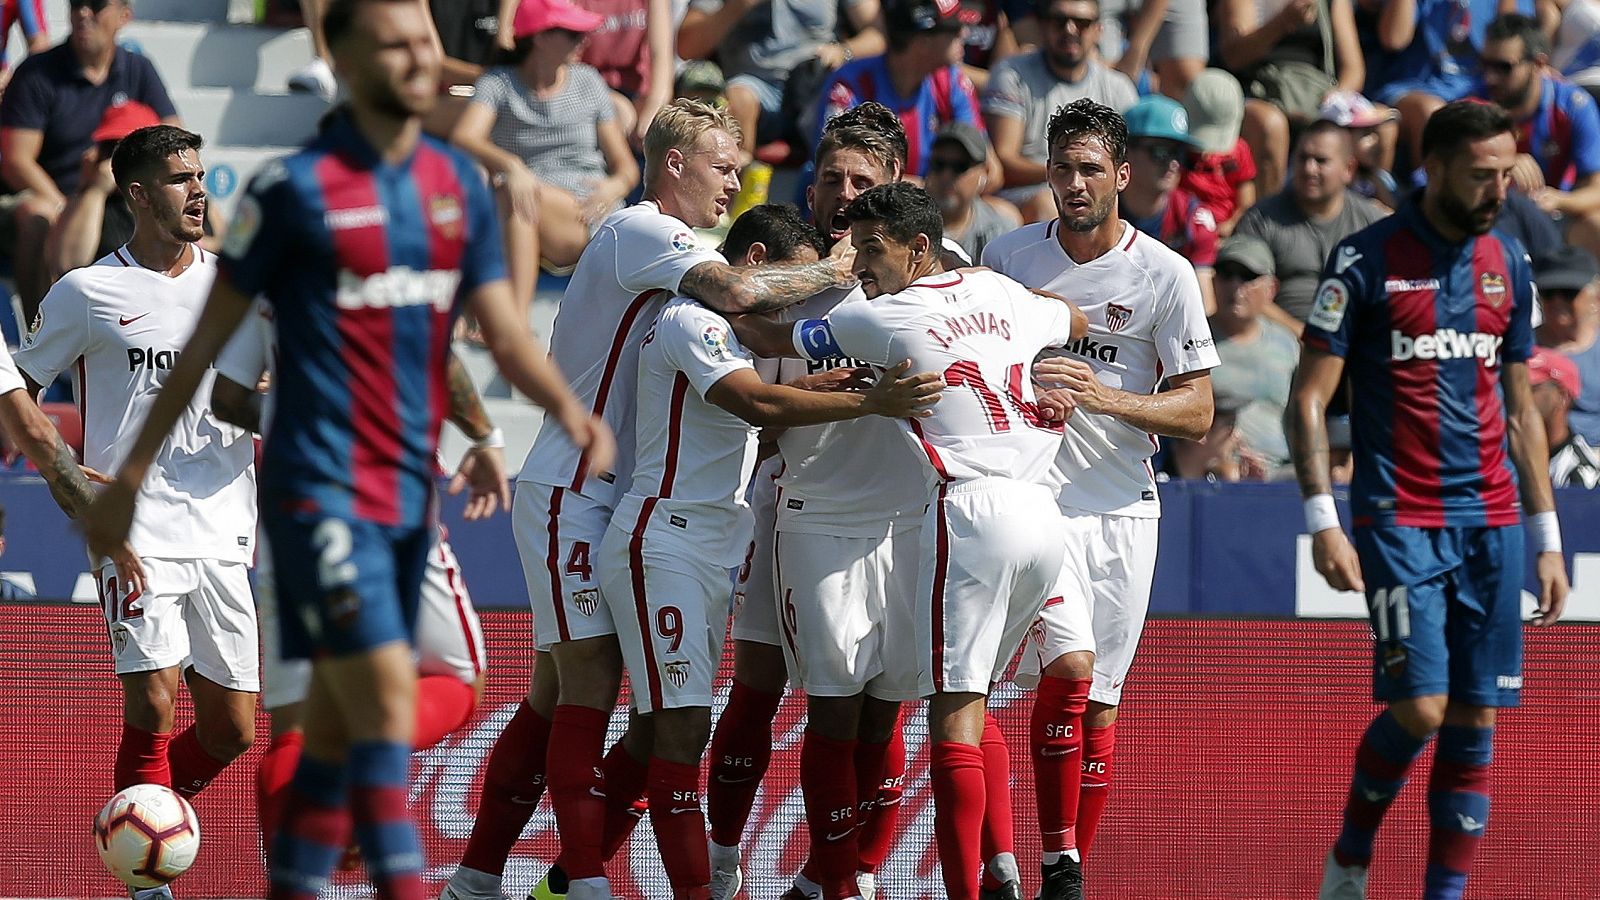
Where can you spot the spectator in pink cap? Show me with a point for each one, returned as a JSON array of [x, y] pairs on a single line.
[[1375, 130], [1556, 385], [545, 112]]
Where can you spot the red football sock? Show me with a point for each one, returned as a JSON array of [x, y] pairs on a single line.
[[958, 796], [192, 767], [142, 758], [878, 827], [444, 703], [627, 780], [577, 790], [1098, 746], [828, 781], [513, 779], [272, 782], [1055, 733], [741, 748], [680, 828], [997, 824]]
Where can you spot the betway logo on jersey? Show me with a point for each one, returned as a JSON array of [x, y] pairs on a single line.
[[398, 287], [1447, 343]]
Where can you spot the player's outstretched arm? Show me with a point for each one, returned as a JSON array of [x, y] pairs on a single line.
[[896, 395], [107, 522], [483, 466], [1530, 453], [760, 289], [1182, 409], [765, 336], [1314, 385], [526, 365]]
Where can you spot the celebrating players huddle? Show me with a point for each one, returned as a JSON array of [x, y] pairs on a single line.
[[951, 475]]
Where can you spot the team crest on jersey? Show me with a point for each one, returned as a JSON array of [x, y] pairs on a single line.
[[119, 638], [1493, 285], [444, 211], [1117, 317], [682, 241], [586, 601], [677, 672], [246, 222], [1327, 311], [716, 340]]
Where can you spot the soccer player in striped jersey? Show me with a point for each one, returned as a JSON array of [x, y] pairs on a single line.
[[1428, 315], [366, 243]]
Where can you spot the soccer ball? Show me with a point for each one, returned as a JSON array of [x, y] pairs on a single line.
[[147, 835]]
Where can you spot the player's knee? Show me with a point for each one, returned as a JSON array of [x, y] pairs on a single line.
[[681, 734], [596, 667], [1077, 665], [640, 738], [760, 667], [229, 739], [1420, 716], [835, 718], [149, 699], [1469, 716], [878, 720]]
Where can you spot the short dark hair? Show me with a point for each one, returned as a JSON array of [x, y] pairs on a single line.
[[1459, 123], [873, 129], [1514, 25], [905, 209], [339, 19], [1327, 126], [146, 148], [1086, 118], [778, 225]]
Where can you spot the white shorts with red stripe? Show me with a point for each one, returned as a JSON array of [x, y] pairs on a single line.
[[449, 637], [991, 552], [1110, 562], [847, 603], [671, 610], [558, 533], [755, 598], [194, 613]]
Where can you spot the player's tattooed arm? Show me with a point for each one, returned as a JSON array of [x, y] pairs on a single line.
[[466, 407], [1315, 382], [761, 288], [36, 436]]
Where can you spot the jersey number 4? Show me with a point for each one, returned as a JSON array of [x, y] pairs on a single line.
[[966, 373]]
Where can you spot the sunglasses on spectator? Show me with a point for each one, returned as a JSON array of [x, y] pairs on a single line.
[[1235, 272], [94, 6], [1161, 153], [1082, 23], [953, 166]]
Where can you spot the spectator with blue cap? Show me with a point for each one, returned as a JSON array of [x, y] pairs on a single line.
[[1159, 145]]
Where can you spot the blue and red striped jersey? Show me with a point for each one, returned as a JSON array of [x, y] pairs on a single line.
[[364, 263], [1563, 135], [1424, 326], [945, 96], [26, 14]]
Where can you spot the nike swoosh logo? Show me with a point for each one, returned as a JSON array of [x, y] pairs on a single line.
[[597, 793], [522, 801], [129, 321], [726, 780], [1048, 752], [840, 836], [680, 810]]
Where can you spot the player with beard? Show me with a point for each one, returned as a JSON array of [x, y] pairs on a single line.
[[1141, 371], [1427, 315]]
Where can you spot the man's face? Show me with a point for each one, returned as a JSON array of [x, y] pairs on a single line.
[[708, 177], [1242, 295], [95, 24], [1561, 315], [1085, 181], [1472, 185], [842, 176], [1508, 77], [932, 50], [173, 197], [389, 60], [1323, 167], [1155, 163], [953, 178], [884, 265], [1069, 31]]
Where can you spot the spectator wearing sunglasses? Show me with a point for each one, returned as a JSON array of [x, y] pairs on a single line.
[[1258, 355], [1024, 91], [957, 178], [1158, 144]]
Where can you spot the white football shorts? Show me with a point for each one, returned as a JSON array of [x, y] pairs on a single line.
[[558, 533], [755, 600], [195, 612], [846, 604], [1111, 561], [991, 552], [449, 637]]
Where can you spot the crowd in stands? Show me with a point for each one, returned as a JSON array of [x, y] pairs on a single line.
[[1262, 132]]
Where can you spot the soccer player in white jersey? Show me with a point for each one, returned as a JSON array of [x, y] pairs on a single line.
[[667, 560], [1141, 371], [638, 257], [449, 638], [992, 540], [852, 499], [118, 326]]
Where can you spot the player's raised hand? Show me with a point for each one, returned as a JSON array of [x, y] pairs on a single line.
[[1057, 405], [130, 568], [1335, 558], [899, 396], [856, 378], [1076, 378], [483, 469], [1553, 587], [843, 255]]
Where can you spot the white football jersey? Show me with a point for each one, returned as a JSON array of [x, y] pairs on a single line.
[[10, 378], [1146, 322], [119, 326], [857, 478], [694, 458], [981, 331], [629, 270]]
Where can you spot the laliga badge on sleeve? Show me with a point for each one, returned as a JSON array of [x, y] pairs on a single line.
[[1327, 311]]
